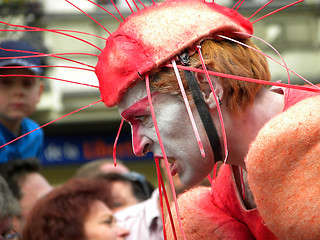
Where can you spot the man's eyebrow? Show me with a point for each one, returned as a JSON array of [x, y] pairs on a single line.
[[142, 104]]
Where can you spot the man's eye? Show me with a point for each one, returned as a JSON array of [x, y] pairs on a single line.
[[140, 118]]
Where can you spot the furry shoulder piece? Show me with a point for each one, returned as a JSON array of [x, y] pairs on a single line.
[[283, 167], [202, 219], [154, 35]]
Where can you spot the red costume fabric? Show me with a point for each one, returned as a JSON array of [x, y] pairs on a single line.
[[133, 51], [227, 197], [219, 212]]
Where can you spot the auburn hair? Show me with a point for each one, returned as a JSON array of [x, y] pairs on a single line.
[[223, 57], [60, 215]]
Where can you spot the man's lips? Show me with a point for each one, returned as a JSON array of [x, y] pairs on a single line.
[[173, 167]]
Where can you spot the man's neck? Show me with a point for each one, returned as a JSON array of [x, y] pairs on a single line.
[[243, 128]]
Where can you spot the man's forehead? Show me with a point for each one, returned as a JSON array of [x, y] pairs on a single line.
[[133, 95]]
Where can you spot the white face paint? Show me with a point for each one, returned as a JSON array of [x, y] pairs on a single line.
[[176, 131]]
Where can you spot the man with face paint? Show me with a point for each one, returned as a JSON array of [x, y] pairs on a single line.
[[171, 112], [133, 59]]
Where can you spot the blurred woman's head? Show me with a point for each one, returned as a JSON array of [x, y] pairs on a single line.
[[77, 210]]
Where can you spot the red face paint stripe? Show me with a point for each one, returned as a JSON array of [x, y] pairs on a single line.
[[137, 108]]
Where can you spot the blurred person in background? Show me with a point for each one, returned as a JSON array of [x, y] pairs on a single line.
[[128, 187], [78, 209], [20, 91], [27, 184], [98, 166], [143, 219], [9, 208]]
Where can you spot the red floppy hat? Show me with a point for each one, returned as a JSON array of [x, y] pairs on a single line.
[[150, 37]]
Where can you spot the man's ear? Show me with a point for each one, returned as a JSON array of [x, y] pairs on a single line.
[[208, 96]]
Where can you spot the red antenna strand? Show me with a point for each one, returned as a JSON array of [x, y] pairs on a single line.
[[48, 30], [242, 183], [274, 49], [163, 153], [67, 59], [280, 9], [141, 3], [129, 6], [161, 197], [168, 207], [134, 2], [186, 102], [88, 16], [115, 6], [217, 104], [74, 31], [50, 123], [105, 10], [283, 65], [115, 144], [57, 30], [51, 66], [236, 4], [44, 55], [224, 75], [161, 184], [240, 5], [260, 9], [40, 76]]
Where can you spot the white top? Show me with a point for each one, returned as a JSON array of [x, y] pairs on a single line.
[[142, 219]]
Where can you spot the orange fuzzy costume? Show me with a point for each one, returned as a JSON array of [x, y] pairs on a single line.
[[284, 171], [284, 176]]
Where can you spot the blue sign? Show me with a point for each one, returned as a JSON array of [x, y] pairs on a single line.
[[81, 149]]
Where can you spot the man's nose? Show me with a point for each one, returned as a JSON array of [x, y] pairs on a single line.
[[141, 146]]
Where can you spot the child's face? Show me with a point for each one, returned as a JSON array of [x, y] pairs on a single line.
[[18, 95], [175, 129]]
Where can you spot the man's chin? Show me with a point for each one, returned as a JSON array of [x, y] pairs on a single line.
[[189, 181]]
